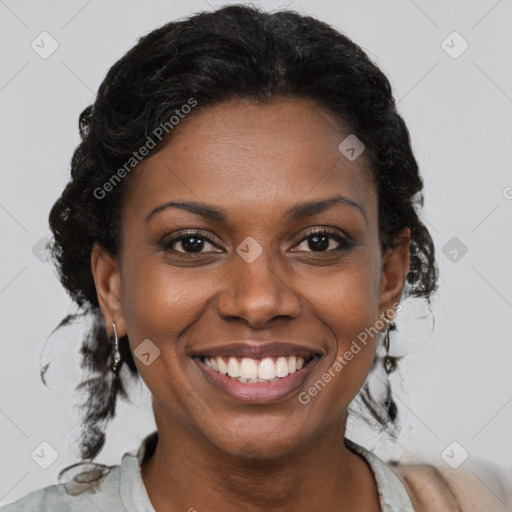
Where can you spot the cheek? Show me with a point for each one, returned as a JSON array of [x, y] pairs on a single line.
[[346, 299], [158, 305], [347, 304], [159, 301]]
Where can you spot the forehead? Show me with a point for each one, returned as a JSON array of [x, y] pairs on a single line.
[[255, 158]]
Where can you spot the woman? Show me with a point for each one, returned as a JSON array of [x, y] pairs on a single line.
[[241, 222]]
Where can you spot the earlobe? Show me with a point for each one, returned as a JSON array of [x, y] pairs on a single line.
[[107, 279], [395, 267]]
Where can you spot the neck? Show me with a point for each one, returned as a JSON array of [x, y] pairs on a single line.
[[187, 472]]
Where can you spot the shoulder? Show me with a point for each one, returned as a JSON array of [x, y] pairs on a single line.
[[88, 490], [475, 487]]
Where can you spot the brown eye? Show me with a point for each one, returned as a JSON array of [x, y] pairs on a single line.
[[189, 243], [322, 240]]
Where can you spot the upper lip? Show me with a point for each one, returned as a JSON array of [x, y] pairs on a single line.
[[257, 350]]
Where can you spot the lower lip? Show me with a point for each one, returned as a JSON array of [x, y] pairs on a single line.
[[258, 392]]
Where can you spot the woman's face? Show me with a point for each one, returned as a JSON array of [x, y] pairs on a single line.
[[239, 264]]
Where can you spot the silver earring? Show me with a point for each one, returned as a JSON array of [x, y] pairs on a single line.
[[390, 366], [116, 358]]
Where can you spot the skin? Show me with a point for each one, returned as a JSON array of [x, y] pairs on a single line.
[[255, 162]]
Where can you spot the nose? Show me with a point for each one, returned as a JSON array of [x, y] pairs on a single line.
[[257, 292]]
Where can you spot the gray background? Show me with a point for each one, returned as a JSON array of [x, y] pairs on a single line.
[[456, 382]]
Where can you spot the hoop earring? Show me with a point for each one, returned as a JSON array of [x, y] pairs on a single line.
[[390, 366], [116, 357]]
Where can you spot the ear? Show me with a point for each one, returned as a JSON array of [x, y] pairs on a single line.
[[107, 279], [395, 267]]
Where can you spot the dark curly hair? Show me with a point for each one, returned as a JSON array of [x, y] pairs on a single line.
[[235, 52]]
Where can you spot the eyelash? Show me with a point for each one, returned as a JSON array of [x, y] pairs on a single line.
[[344, 244]]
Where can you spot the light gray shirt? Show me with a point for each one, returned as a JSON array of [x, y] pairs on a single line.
[[121, 488]]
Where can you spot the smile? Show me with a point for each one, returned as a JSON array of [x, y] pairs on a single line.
[[248, 370], [257, 381]]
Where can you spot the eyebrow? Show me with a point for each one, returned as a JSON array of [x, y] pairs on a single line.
[[297, 212]]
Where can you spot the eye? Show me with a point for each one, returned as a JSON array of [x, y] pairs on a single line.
[[317, 240], [322, 240], [191, 242]]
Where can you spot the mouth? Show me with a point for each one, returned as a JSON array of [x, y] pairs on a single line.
[[248, 370], [257, 380]]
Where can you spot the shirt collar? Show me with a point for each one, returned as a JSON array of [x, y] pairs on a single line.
[[392, 492], [133, 492]]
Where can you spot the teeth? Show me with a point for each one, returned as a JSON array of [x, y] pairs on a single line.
[[233, 367], [292, 364], [266, 369], [223, 367], [250, 370], [282, 367]]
